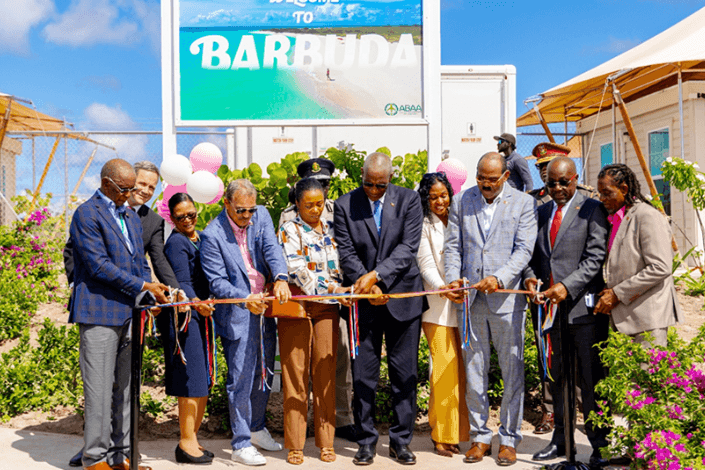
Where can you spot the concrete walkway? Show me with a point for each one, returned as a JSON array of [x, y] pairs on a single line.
[[38, 450]]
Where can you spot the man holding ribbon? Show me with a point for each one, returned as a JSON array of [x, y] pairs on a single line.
[[489, 241], [378, 230], [568, 256]]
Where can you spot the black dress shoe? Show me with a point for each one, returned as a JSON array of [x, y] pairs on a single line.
[[597, 461], [365, 455], [77, 460], [402, 454], [549, 452], [208, 453], [348, 432], [183, 457]]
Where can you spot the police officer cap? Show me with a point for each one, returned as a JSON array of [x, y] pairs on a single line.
[[318, 168], [547, 151]]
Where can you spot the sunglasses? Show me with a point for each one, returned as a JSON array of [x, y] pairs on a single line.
[[121, 190], [189, 216], [242, 210], [562, 182], [372, 185], [499, 141]]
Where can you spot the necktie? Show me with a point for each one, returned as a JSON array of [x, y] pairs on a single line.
[[556, 224], [121, 211], [378, 216]]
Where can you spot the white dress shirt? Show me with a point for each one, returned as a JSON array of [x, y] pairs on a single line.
[[488, 210]]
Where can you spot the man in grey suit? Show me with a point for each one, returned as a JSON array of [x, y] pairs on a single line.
[[489, 241], [568, 256]]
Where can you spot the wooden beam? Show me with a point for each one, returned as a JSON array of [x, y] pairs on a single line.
[[543, 124], [44, 175], [5, 122], [639, 154], [85, 169]]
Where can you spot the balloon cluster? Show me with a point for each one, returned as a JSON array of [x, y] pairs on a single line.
[[455, 171], [195, 175]]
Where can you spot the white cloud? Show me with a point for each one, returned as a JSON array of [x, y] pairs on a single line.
[[338, 12], [612, 46], [17, 18], [101, 117], [121, 22], [91, 183]]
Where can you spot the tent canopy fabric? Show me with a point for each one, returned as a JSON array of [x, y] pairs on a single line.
[[23, 118], [649, 67]]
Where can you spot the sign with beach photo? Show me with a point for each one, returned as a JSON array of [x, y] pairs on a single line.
[[283, 60]]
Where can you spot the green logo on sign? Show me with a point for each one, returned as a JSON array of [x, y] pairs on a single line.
[[391, 109]]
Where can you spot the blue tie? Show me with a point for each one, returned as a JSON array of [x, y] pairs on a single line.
[[378, 216], [121, 211]]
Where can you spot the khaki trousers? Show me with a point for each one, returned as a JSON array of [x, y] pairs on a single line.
[[308, 348]]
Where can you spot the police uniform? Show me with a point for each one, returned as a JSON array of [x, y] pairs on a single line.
[[544, 153]]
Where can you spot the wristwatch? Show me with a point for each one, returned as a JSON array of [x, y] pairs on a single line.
[[377, 276]]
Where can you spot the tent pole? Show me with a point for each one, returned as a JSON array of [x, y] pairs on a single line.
[[38, 189], [680, 110], [637, 149], [615, 148], [544, 125], [83, 174], [6, 121]]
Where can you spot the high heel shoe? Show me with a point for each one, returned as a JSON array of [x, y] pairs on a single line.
[[183, 457]]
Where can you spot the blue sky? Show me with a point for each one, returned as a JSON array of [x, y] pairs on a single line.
[[96, 62]]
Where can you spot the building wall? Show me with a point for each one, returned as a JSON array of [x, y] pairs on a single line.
[[10, 149], [648, 114]]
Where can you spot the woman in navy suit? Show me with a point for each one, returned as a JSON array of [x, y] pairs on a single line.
[[186, 350]]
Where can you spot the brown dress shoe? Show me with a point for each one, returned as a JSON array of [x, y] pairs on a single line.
[[98, 466], [477, 451], [545, 426], [125, 465], [445, 450], [507, 456]]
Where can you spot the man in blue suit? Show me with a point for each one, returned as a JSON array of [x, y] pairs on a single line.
[[240, 254], [489, 241], [110, 271], [378, 230]]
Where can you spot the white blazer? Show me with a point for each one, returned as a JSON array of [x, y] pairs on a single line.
[[431, 265]]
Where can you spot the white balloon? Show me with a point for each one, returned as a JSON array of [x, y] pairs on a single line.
[[175, 169], [202, 186]]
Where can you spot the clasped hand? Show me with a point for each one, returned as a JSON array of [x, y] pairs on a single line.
[[367, 284], [556, 293]]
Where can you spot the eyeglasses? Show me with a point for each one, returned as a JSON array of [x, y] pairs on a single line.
[[562, 182], [379, 186], [121, 190], [189, 216], [242, 210], [483, 179]]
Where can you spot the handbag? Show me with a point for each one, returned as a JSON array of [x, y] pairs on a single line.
[[292, 308]]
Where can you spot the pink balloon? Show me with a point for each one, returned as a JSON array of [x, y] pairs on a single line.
[[206, 157], [163, 210], [455, 171], [221, 190], [171, 190]]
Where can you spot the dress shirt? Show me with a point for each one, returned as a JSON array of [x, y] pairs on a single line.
[[488, 210], [381, 203], [616, 220], [256, 278], [564, 211], [118, 218], [312, 257]]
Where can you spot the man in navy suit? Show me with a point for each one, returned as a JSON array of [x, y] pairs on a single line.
[[240, 253], [110, 272], [568, 257], [378, 230]]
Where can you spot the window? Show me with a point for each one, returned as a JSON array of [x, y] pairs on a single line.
[[658, 153], [606, 155]]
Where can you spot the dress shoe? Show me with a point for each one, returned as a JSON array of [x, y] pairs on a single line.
[[402, 454], [349, 432], [549, 452], [445, 450], [545, 425], [125, 465], [98, 466], [184, 457], [477, 451], [365, 455], [77, 460], [597, 461], [507, 456]]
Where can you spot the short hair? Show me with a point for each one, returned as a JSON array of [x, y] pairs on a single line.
[[621, 173], [494, 156], [146, 165], [378, 160], [241, 184], [177, 199], [303, 185], [427, 182]]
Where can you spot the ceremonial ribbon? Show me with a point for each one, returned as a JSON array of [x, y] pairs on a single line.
[[354, 327], [467, 332]]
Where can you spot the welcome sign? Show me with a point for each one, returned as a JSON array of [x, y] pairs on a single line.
[[310, 60]]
